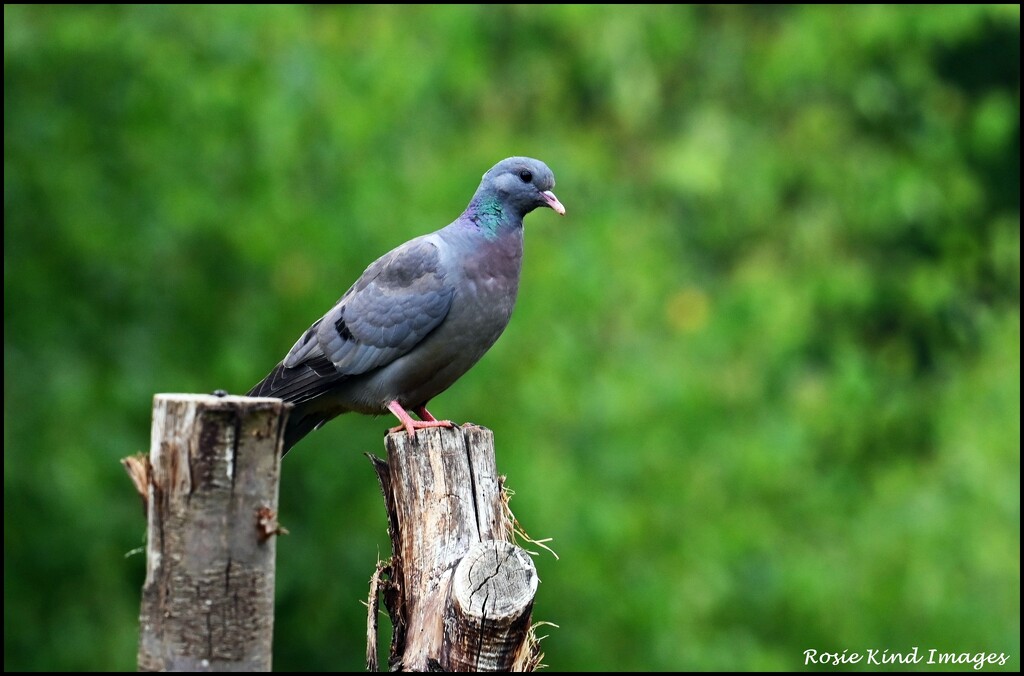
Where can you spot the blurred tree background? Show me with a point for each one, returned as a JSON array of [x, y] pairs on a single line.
[[762, 386]]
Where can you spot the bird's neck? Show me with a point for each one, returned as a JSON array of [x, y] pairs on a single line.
[[492, 217]]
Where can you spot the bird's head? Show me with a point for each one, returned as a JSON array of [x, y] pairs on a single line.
[[523, 184]]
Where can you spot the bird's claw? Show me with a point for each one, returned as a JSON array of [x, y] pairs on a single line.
[[411, 426]]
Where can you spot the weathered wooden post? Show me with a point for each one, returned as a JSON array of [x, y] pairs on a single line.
[[210, 487], [458, 592]]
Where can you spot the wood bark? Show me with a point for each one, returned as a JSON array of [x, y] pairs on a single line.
[[212, 487], [459, 594]]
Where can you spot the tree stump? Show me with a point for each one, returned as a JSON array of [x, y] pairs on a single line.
[[458, 591], [211, 488]]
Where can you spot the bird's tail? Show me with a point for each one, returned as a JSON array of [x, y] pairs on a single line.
[[299, 425], [302, 386]]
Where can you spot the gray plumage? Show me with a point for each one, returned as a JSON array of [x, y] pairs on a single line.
[[420, 316]]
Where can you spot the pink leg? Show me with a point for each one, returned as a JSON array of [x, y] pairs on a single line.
[[410, 425], [423, 413], [426, 416]]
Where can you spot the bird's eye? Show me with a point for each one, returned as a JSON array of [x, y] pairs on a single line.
[[525, 175]]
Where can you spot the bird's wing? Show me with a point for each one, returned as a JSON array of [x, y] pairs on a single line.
[[397, 302], [394, 305]]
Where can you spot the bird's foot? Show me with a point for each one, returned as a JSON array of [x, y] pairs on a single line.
[[409, 425], [413, 425]]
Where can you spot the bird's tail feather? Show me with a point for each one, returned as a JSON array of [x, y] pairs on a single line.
[[300, 385], [299, 425]]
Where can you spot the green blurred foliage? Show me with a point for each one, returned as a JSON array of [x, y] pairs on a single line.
[[762, 386]]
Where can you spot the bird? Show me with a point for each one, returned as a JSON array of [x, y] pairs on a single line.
[[419, 317]]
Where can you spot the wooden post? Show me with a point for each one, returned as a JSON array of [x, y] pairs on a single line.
[[458, 592], [212, 482]]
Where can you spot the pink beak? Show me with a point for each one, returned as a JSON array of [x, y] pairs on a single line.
[[553, 202]]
